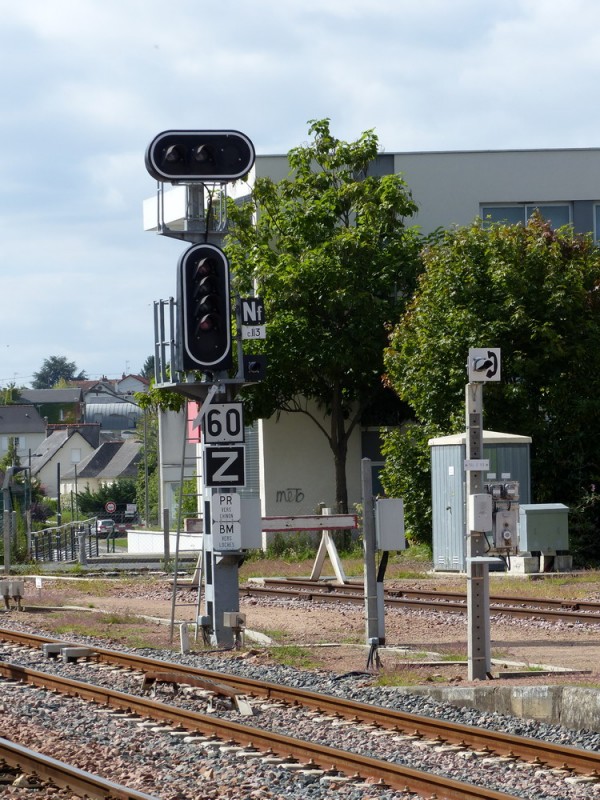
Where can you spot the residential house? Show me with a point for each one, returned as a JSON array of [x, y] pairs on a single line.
[[24, 425], [56, 405], [129, 384], [111, 404], [62, 451], [107, 464]]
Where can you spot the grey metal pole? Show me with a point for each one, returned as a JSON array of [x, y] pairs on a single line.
[[166, 535], [146, 498], [6, 522], [371, 617], [478, 595]]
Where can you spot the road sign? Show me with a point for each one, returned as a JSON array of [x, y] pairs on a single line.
[[224, 466], [224, 422], [253, 318], [226, 536], [110, 507], [226, 507], [484, 364]]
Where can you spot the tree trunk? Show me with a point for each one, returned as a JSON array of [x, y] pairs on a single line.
[[339, 445]]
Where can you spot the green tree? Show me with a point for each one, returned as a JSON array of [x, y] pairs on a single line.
[[10, 394], [149, 460], [55, 369], [11, 457], [122, 492], [329, 254], [533, 292], [147, 371]]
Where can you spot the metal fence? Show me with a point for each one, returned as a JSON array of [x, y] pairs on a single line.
[[64, 543]]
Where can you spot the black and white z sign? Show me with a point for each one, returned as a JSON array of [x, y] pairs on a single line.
[[224, 466]]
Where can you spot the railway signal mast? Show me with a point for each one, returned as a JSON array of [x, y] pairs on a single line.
[[483, 366], [194, 349]]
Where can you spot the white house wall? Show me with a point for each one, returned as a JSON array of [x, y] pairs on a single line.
[[75, 449], [297, 468], [28, 442], [171, 433]]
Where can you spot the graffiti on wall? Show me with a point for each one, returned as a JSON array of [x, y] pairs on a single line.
[[290, 495]]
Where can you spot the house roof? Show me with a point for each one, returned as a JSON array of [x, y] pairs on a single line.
[[15, 419], [39, 396], [48, 448], [89, 430], [110, 461]]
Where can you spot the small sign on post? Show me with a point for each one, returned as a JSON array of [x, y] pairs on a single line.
[[253, 318], [484, 364]]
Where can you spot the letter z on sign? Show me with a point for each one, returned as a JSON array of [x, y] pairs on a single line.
[[224, 466]]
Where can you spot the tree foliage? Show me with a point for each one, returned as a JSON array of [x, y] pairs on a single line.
[[147, 370], [327, 250], [533, 292], [54, 370], [148, 470], [122, 492]]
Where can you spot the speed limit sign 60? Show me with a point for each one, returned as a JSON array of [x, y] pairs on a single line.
[[223, 422]]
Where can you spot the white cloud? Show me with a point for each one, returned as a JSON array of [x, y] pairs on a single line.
[[88, 84]]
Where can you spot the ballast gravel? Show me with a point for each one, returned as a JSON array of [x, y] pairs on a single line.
[[134, 753]]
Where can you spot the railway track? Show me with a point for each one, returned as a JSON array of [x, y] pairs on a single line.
[[310, 753], [452, 602], [439, 732], [48, 770]]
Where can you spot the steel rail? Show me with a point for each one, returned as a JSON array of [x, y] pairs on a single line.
[[78, 781], [356, 587], [563, 611], [312, 753], [553, 755]]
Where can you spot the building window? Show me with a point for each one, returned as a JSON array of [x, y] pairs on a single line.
[[18, 441], [75, 455], [558, 214], [597, 222]]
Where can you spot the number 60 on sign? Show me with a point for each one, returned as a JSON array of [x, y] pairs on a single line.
[[224, 423]]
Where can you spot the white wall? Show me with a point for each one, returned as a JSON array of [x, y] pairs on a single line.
[[297, 468], [171, 437], [154, 542], [65, 457]]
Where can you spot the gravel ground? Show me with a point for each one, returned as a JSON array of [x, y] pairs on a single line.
[[156, 762]]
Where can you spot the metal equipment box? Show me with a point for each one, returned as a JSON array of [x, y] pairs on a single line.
[[543, 528], [508, 455]]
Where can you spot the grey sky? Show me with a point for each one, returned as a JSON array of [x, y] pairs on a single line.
[[88, 83]]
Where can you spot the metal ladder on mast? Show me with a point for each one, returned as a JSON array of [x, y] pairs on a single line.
[[184, 479]]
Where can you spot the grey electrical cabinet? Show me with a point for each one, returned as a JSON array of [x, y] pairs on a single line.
[[509, 458], [544, 528]]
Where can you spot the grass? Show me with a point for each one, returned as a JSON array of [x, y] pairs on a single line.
[[453, 657], [292, 655], [277, 635], [125, 629], [406, 677]]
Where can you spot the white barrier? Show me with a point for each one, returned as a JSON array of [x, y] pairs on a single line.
[[143, 542]]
